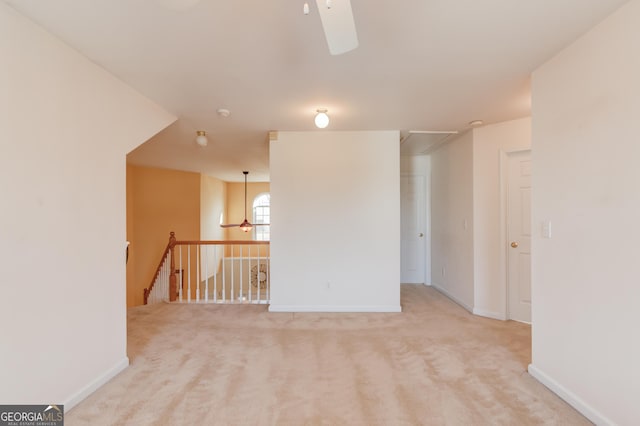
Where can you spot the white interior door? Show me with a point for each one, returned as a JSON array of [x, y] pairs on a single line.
[[412, 226], [519, 236]]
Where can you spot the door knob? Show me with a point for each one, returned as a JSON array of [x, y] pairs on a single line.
[[514, 244], [421, 235]]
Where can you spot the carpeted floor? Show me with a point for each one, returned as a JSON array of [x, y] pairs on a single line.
[[433, 364]]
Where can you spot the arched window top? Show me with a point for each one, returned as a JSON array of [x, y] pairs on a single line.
[[262, 214], [261, 200]]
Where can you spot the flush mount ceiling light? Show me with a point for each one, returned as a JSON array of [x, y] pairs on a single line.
[[322, 119], [201, 138]]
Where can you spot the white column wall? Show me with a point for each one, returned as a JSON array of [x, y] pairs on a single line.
[[65, 128], [452, 219], [586, 182], [335, 228]]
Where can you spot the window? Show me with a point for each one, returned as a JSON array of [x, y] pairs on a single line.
[[262, 214]]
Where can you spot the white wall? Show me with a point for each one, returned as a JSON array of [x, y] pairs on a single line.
[[586, 181], [421, 165], [452, 219], [65, 128], [490, 143], [335, 242], [213, 193]]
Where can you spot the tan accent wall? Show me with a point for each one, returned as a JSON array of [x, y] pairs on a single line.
[[159, 201]]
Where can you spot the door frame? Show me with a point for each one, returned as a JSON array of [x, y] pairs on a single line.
[[504, 223]]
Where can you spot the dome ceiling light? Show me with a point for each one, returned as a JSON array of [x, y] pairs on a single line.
[[201, 138], [322, 119]]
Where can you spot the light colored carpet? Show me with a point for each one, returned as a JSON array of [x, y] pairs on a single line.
[[433, 364]]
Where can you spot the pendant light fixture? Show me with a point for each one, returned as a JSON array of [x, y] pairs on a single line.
[[245, 225]]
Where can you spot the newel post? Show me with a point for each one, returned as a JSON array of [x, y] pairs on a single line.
[[173, 289]]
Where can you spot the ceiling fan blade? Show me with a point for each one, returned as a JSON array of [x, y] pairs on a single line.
[[232, 225], [261, 224], [339, 26]]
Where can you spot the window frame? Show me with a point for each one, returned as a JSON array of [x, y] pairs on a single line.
[[254, 207]]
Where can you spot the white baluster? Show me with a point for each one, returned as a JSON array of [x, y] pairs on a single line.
[[166, 278], [249, 286], [268, 276], [224, 278], [181, 278], [215, 274], [240, 296], [165, 288], [233, 270], [198, 275], [158, 286], [160, 290], [258, 274], [189, 273], [206, 273]]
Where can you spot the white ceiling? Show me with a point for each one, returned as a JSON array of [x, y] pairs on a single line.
[[421, 65]]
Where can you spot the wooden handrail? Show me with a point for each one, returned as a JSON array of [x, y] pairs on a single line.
[[222, 242]]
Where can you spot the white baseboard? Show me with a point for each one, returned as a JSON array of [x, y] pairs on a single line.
[[93, 386], [427, 284], [572, 399], [334, 308], [452, 297], [488, 314]]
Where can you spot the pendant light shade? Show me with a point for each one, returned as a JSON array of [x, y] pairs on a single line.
[[246, 226]]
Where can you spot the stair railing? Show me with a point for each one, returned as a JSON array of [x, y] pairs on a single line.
[[212, 272]]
